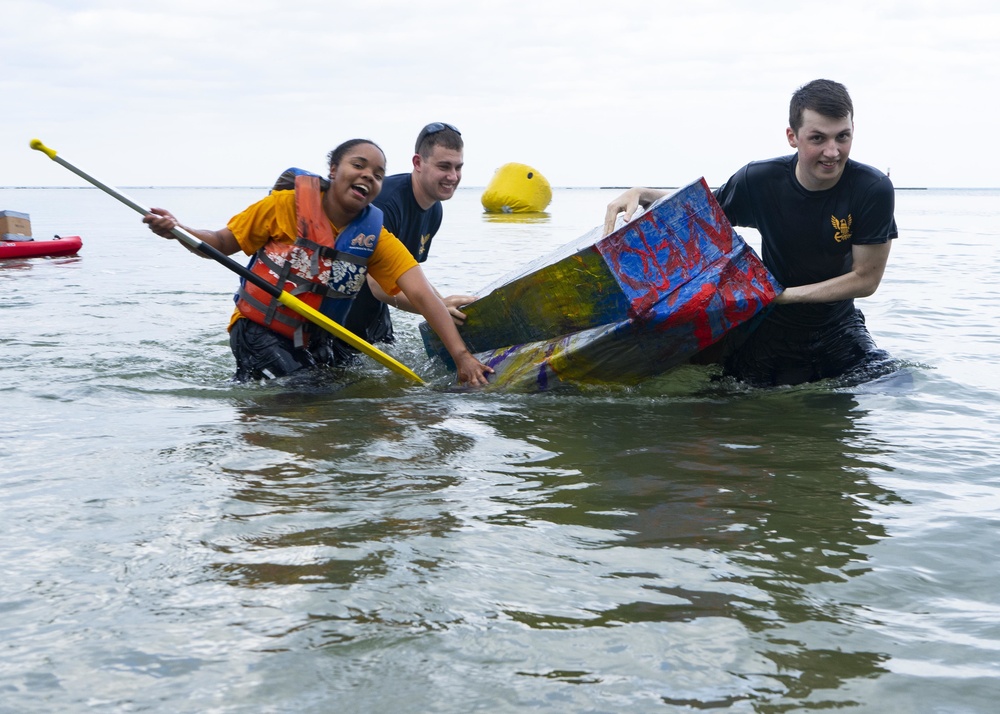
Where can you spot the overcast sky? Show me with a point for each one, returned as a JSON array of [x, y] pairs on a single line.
[[609, 93]]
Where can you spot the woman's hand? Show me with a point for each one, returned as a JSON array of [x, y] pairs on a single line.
[[425, 299], [161, 222], [471, 372]]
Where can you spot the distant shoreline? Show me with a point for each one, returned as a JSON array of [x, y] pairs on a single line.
[[898, 188], [480, 188]]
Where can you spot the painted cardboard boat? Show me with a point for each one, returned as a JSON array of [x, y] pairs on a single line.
[[621, 308]]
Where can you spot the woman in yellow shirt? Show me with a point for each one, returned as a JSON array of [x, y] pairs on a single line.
[[357, 168]]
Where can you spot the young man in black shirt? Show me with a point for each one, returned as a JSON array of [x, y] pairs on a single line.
[[826, 223]]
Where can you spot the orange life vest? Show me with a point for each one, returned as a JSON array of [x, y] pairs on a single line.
[[324, 272]]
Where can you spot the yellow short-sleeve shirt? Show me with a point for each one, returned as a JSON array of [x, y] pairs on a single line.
[[274, 217]]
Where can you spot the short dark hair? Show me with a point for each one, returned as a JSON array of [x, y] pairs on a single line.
[[334, 157], [823, 96], [438, 134]]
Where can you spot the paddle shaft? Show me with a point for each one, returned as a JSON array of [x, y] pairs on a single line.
[[178, 232], [285, 298]]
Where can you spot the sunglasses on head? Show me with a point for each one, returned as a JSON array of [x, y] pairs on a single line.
[[433, 128]]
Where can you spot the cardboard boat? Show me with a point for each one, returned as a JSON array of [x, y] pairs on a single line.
[[620, 308]]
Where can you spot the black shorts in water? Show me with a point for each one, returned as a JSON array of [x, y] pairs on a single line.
[[765, 354], [262, 353]]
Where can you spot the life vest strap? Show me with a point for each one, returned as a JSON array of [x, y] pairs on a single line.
[[273, 304], [331, 253], [267, 309], [300, 285]]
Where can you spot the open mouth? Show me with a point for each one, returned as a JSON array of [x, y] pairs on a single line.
[[362, 189]]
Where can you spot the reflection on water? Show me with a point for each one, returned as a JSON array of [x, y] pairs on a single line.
[[785, 507], [175, 541], [325, 468], [526, 218], [633, 512]]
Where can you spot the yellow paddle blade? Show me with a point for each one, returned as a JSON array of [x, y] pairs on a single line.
[[293, 303]]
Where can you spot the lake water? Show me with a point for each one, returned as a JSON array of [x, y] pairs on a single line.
[[173, 542]]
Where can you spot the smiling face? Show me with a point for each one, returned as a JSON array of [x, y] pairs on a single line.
[[435, 177], [354, 182], [823, 145]]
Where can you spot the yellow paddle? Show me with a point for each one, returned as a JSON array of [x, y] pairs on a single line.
[[285, 298]]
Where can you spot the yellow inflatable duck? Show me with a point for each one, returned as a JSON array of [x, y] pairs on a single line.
[[517, 188]]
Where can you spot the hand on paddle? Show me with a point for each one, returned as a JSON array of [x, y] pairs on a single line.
[[161, 222]]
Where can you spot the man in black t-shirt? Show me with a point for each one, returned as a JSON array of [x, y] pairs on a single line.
[[411, 204], [826, 223]]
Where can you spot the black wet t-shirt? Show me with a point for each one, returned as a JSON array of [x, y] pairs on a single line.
[[807, 236]]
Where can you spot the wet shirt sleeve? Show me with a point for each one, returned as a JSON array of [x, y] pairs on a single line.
[[271, 217], [876, 208], [734, 198], [389, 261]]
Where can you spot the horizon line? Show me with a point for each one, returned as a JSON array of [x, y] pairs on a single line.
[[469, 188]]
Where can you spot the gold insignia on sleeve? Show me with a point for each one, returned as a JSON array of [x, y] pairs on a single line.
[[843, 228]]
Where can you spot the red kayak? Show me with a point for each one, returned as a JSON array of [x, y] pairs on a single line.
[[60, 245]]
